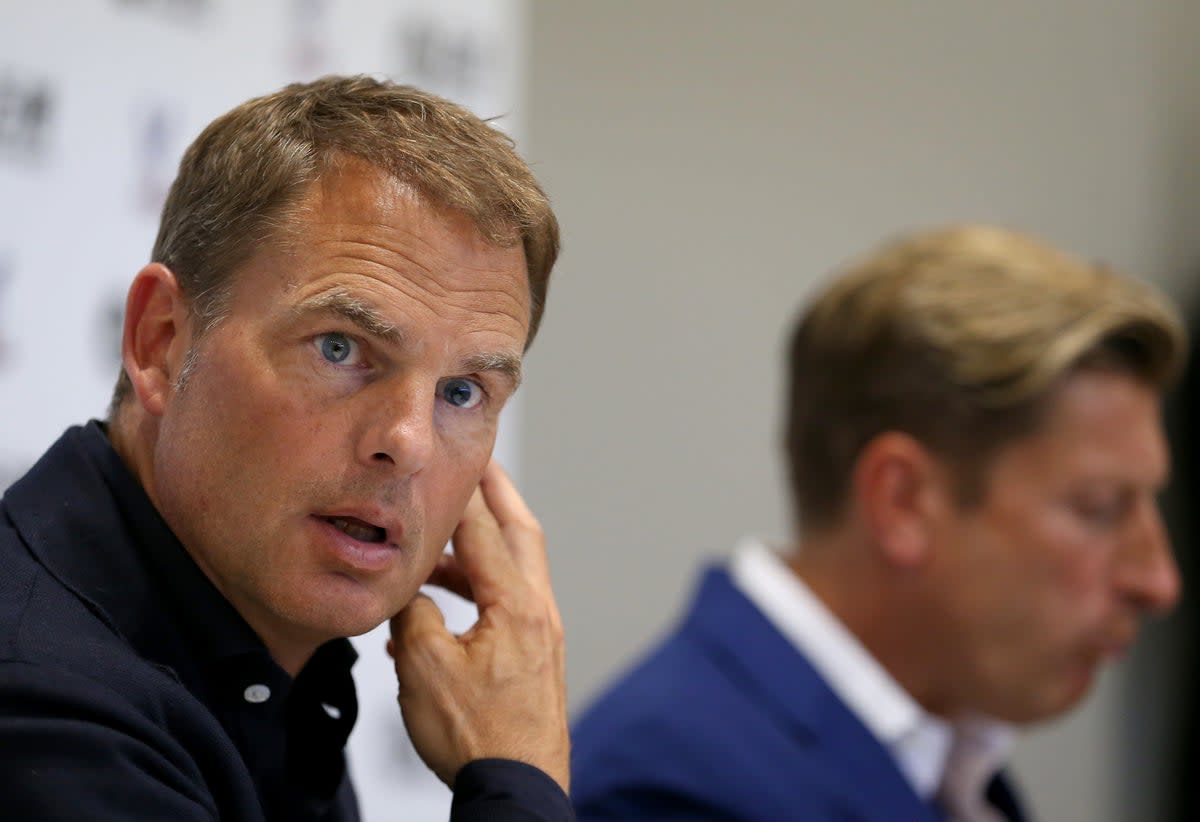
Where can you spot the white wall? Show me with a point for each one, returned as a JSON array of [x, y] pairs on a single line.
[[710, 161]]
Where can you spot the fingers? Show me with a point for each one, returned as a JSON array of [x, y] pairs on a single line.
[[420, 625], [421, 613], [502, 498], [499, 542], [499, 689], [521, 530], [482, 555], [501, 550]]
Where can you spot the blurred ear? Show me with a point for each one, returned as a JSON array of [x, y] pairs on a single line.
[[156, 335], [899, 484]]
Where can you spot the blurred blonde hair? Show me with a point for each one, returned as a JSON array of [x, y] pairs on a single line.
[[957, 336]]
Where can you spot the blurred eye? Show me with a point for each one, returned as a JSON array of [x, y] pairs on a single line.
[[1098, 514], [1104, 513], [336, 348], [461, 393]]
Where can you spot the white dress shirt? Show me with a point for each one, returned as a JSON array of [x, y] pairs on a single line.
[[952, 762]]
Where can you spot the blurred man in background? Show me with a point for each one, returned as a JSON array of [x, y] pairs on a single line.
[[975, 449], [346, 276]]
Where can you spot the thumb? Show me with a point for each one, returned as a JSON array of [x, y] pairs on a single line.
[[420, 641], [421, 617]]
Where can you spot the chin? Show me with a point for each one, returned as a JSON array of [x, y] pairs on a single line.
[[344, 623], [350, 609], [1049, 705]]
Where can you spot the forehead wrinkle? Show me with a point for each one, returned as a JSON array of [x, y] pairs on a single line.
[[372, 254], [399, 259]]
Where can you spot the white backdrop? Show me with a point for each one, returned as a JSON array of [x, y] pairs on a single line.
[[98, 99]]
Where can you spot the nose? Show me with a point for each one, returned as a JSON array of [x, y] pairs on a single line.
[[397, 432], [1147, 572]]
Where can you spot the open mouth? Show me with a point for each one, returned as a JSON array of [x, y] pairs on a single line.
[[357, 529]]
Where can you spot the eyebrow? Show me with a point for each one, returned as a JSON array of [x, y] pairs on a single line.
[[505, 364], [371, 321], [357, 311]]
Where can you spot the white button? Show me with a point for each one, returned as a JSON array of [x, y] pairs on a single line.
[[333, 711], [257, 693]]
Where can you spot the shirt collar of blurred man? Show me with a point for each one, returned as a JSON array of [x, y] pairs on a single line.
[[937, 756]]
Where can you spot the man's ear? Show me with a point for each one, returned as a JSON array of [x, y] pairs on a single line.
[[156, 335], [897, 485]]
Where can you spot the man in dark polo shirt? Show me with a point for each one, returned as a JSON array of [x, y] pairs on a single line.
[[344, 282]]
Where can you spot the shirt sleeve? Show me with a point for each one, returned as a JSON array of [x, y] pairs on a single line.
[[76, 751], [504, 790]]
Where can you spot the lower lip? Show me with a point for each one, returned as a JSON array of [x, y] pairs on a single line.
[[362, 556]]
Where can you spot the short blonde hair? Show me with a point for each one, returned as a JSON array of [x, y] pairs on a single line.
[[239, 182], [957, 336]]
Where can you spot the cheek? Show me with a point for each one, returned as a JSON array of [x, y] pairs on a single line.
[[466, 439], [460, 467], [1062, 581], [1022, 576], [236, 434], [460, 479], [260, 410], [1076, 558]]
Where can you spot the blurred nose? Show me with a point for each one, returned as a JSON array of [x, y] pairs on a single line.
[[1147, 572], [398, 432]]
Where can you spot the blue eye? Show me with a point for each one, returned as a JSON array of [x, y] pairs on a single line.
[[336, 348], [461, 393]]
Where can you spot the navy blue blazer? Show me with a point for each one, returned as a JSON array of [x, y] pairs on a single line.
[[727, 721]]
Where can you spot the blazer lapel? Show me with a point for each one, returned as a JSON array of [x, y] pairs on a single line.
[[748, 647]]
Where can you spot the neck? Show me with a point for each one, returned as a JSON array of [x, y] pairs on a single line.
[[881, 605], [130, 436]]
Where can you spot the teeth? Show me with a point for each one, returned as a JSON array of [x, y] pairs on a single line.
[[358, 530]]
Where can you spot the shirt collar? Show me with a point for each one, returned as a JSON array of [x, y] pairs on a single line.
[[920, 742]]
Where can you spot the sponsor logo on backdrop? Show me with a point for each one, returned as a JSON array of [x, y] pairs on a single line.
[[189, 10], [155, 129], [26, 111], [445, 60], [308, 50]]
